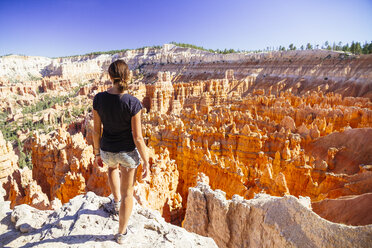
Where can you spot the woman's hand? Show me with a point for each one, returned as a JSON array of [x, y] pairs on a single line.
[[145, 170], [140, 144], [98, 161]]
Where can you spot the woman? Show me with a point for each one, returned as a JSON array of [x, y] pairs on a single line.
[[120, 114]]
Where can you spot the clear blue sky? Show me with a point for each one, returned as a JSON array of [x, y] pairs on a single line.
[[68, 27]]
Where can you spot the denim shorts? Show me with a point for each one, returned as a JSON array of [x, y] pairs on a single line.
[[125, 159]]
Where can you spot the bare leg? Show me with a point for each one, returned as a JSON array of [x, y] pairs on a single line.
[[128, 178], [114, 181]]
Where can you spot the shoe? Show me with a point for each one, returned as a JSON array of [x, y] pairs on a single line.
[[112, 207], [115, 217], [121, 238], [116, 207]]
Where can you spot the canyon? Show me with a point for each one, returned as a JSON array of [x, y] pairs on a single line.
[[288, 130]]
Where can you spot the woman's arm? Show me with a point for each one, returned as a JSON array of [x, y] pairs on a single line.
[[97, 137], [140, 143]]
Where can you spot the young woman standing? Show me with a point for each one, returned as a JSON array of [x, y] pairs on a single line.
[[120, 142]]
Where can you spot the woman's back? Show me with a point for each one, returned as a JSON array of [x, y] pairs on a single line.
[[116, 111]]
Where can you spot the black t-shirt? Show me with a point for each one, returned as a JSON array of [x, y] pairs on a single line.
[[116, 112]]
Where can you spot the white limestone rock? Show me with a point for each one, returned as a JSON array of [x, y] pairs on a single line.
[[266, 221], [7, 230], [18, 67], [2, 190], [22, 68], [83, 222]]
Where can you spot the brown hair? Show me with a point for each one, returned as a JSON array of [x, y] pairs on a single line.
[[119, 72]]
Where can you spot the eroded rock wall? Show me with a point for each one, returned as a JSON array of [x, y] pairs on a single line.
[[266, 221], [19, 186], [298, 71], [62, 163], [8, 159]]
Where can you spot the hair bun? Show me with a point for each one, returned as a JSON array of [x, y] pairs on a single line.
[[119, 72]]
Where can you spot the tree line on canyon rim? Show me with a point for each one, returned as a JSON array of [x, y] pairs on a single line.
[[354, 48]]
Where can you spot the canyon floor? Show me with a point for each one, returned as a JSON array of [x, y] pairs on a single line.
[[247, 143]]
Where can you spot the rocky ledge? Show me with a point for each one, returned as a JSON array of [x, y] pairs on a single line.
[[84, 222], [266, 221]]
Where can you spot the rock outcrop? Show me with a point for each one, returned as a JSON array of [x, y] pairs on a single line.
[[23, 189], [83, 222], [18, 185], [266, 221], [8, 159], [159, 192], [62, 164]]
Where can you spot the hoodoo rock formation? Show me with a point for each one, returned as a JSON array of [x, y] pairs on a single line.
[[62, 163], [19, 186], [289, 124], [160, 191], [64, 167], [261, 142], [8, 159]]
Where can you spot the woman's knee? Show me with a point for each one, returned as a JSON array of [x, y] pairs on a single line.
[[127, 192]]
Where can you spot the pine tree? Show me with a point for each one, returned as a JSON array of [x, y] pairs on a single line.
[[352, 47], [358, 48], [326, 44], [292, 47], [346, 48], [365, 48], [370, 48]]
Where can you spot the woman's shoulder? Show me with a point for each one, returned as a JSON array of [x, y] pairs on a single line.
[[100, 94], [129, 98], [97, 100], [132, 103]]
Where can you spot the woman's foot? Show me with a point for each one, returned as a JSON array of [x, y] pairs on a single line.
[[116, 206], [112, 207], [121, 238]]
